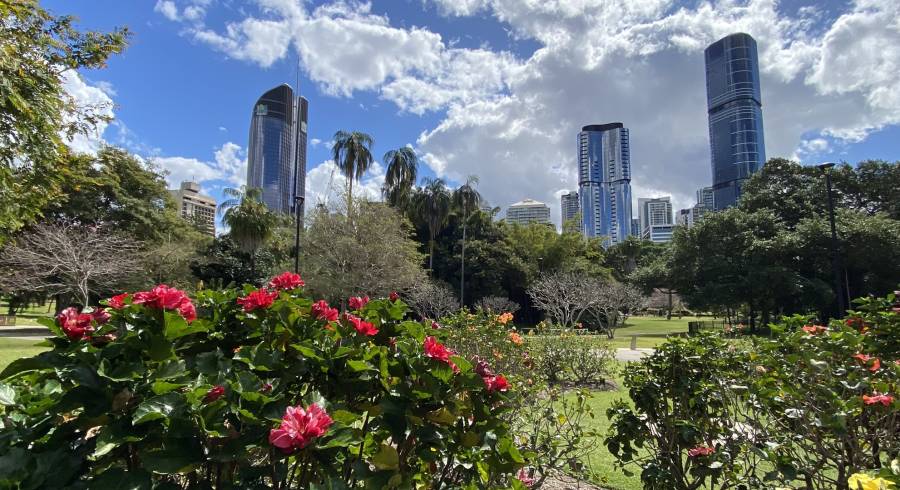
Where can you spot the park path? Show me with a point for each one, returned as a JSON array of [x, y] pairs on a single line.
[[629, 355]]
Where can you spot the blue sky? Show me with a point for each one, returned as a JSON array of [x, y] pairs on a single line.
[[496, 88]]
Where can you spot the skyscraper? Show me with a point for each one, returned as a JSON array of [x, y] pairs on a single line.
[[734, 107], [528, 211], [604, 180], [569, 206], [705, 198], [195, 207], [277, 150], [655, 215]]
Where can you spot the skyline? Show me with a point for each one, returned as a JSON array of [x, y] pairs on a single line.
[[517, 110]]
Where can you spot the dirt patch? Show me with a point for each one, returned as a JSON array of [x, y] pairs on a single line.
[[565, 482]]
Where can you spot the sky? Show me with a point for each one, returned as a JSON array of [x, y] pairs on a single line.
[[494, 88]]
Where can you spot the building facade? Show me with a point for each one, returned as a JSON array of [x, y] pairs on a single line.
[[276, 159], [195, 207], [655, 218], [690, 216], [734, 107], [604, 181], [528, 211], [705, 197], [569, 206], [658, 233]]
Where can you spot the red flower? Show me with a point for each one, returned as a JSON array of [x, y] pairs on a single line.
[[862, 357], [885, 400], [496, 383], [100, 316], [814, 329], [357, 303], [163, 297], [117, 302], [865, 358], [897, 362], [435, 325], [321, 311], [523, 477], [362, 327], [700, 451], [286, 281], [266, 388], [299, 427], [261, 298], [74, 324], [438, 351], [214, 394], [393, 296], [483, 369]]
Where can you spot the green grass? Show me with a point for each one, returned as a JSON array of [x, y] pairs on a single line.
[[28, 317], [12, 349]]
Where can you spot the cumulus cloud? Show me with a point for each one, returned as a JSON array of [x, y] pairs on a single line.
[[229, 165], [91, 98], [826, 75], [326, 185]]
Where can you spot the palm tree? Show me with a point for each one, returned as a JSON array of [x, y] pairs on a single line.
[[352, 153], [402, 167], [465, 199], [249, 221], [433, 207]]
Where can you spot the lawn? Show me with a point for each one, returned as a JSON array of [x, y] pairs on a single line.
[[12, 349], [651, 330], [29, 316]]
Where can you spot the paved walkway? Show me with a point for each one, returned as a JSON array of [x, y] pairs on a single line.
[[629, 355]]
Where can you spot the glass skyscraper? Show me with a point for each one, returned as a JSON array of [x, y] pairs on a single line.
[[735, 115], [604, 181], [276, 160]]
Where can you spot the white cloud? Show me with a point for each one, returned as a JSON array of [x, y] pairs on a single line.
[[167, 8], [91, 98], [229, 165], [326, 185], [513, 121]]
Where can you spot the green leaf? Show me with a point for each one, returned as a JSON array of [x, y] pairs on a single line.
[[386, 458], [178, 459], [358, 366], [7, 395], [159, 407], [161, 348], [118, 478], [441, 416]]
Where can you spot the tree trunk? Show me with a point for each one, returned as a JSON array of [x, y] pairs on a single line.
[[669, 312], [431, 257], [349, 195], [462, 268]]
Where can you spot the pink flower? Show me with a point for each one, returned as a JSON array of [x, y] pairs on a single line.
[[523, 477], [299, 427], [261, 298], [438, 351], [496, 383], [214, 394], [163, 297], [876, 398], [700, 451], [814, 329], [435, 325], [362, 327], [482, 368], [865, 358], [393, 296], [357, 303], [100, 316], [286, 281], [321, 311], [74, 324], [117, 302]]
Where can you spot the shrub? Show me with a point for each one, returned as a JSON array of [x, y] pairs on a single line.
[[260, 390], [572, 359]]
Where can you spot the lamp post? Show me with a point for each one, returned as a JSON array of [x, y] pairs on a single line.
[[298, 206], [835, 258]]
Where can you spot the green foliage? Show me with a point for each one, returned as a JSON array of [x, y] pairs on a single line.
[[352, 153], [811, 406], [36, 49], [570, 359], [138, 408]]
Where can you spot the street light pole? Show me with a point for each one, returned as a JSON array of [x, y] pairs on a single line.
[[835, 258], [298, 205]]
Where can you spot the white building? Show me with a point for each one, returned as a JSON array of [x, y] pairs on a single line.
[[658, 233], [655, 215], [528, 211], [195, 207], [569, 205]]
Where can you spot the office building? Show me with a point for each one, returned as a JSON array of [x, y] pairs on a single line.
[[734, 106], [635, 227], [528, 211], [658, 233], [604, 180], [705, 198], [655, 218], [276, 159], [194, 207], [690, 216], [569, 206]]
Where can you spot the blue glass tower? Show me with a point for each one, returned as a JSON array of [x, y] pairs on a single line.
[[604, 181], [734, 106], [276, 159]]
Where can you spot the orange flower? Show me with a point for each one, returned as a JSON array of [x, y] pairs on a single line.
[[814, 329], [505, 318], [515, 338]]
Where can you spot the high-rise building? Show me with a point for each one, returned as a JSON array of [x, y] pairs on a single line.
[[734, 107], [655, 216], [195, 207], [690, 216], [604, 180], [635, 227], [528, 211], [569, 206], [276, 160], [705, 197]]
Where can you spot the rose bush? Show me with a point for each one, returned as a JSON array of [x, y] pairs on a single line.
[[253, 389]]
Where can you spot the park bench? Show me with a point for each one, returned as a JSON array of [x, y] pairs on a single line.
[[7, 320]]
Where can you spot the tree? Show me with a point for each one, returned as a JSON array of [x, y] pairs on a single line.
[[402, 168], [35, 111], [222, 262], [657, 275], [498, 304], [614, 303], [352, 153], [373, 254], [465, 199], [432, 204], [69, 259], [564, 296], [432, 299], [250, 222]]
